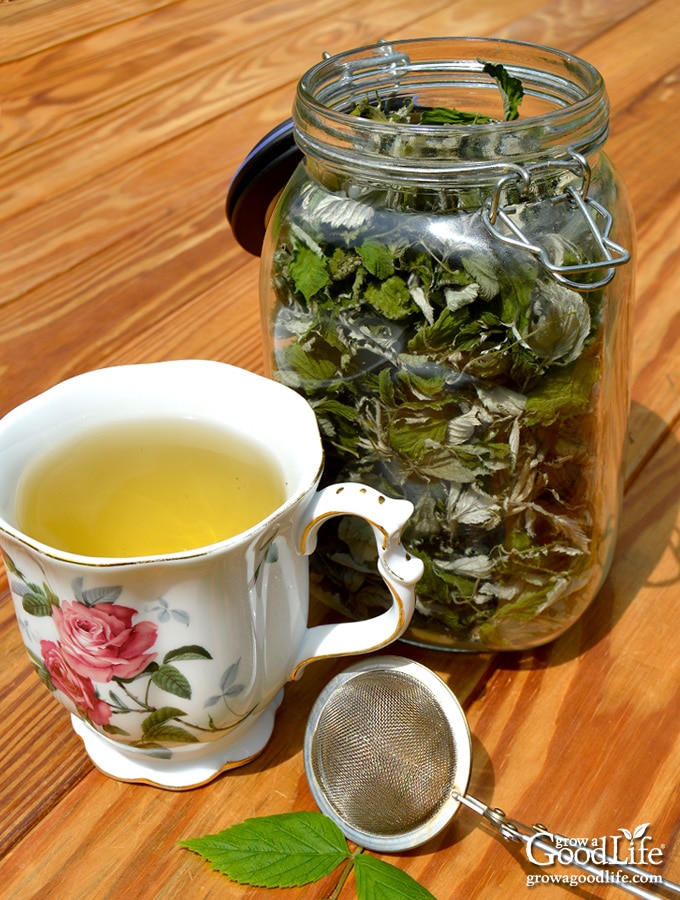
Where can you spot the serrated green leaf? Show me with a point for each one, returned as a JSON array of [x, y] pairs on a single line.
[[482, 269], [284, 850], [306, 366], [36, 604], [192, 651], [170, 679], [171, 734], [392, 298], [560, 325], [160, 716], [358, 535], [343, 263], [378, 259], [441, 334], [410, 436], [562, 393], [380, 880], [309, 272], [510, 87], [386, 387], [444, 115], [443, 464], [337, 422], [429, 383]]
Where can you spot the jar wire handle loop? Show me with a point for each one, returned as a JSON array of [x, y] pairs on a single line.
[[613, 254]]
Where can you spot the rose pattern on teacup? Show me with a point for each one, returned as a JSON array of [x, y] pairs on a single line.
[[99, 640], [100, 657], [184, 680]]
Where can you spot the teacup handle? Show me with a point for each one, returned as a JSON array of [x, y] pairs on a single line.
[[399, 570]]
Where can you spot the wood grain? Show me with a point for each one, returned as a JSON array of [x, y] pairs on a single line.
[[121, 126]]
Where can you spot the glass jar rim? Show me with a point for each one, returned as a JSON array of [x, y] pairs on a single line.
[[326, 93]]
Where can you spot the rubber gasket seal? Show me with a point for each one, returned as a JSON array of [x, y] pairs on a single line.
[[261, 176]]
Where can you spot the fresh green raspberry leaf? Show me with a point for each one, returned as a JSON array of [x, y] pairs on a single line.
[[380, 880], [284, 850]]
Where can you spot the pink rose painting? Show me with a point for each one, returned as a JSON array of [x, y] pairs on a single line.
[[100, 642], [78, 689], [95, 644], [103, 657]]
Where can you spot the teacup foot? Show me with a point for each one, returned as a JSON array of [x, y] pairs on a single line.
[[188, 766]]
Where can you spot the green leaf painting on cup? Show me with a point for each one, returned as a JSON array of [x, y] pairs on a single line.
[[102, 656]]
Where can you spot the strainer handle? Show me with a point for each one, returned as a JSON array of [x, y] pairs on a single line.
[[399, 570], [540, 838]]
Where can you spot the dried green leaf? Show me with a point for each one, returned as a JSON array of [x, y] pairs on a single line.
[[410, 436], [559, 325], [440, 335], [422, 325], [510, 87], [444, 115], [562, 393], [297, 366], [378, 259], [392, 298], [343, 263], [309, 272]]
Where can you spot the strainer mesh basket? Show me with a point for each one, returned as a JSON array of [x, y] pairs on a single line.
[[383, 753]]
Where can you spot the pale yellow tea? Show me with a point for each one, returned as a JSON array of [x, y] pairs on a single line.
[[142, 488]]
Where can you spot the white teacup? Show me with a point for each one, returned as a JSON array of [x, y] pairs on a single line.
[[172, 666]]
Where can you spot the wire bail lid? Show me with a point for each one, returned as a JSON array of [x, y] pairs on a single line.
[[612, 254]]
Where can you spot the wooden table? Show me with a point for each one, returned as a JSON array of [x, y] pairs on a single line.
[[121, 126]]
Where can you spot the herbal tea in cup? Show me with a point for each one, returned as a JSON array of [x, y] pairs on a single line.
[[157, 554], [138, 488]]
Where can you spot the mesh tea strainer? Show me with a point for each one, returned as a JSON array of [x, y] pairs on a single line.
[[388, 755]]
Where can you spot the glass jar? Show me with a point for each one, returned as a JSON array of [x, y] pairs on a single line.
[[447, 290]]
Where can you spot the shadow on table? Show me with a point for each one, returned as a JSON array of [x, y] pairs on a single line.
[[648, 527]]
